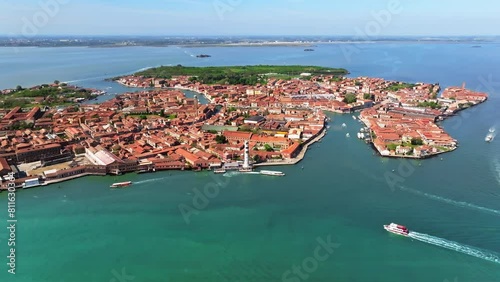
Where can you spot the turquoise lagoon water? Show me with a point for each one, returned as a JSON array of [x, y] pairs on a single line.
[[257, 228]]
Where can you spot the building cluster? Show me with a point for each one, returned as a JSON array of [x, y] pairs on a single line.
[[153, 131], [402, 123], [401, 128], [162, 129]]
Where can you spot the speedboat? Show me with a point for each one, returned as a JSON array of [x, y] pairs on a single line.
[[348, 135], [397, 229], [489, 138], [121, 184]]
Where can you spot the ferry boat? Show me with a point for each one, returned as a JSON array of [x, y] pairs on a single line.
[[397, 229], [354, 117], [272, 173], [121, 184]]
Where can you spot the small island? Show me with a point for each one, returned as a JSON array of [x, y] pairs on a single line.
[[203, 56], [54, 94], [265, 115], [308, 50]]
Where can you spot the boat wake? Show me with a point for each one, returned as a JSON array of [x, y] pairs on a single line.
[[450, 201], [236, 173], [149, 181], [496, 170], [454, 246], [231, 173]]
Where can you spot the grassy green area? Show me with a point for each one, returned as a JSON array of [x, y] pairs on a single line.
[[53, 96], [432, 105], [166, 72], [399, 86], [247, 75]]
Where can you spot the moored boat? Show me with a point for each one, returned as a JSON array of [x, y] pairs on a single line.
[[397, 229], [121, 184], [245, 169], [219, 171]]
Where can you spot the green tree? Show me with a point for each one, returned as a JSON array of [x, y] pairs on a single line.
[[367, 96], [432, 105], [350, 98], [268, 148], [221, 139], [392, 147], [19, 88], [56, 82], [417, 142]]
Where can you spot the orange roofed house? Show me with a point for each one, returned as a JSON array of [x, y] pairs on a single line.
[[237, 136]]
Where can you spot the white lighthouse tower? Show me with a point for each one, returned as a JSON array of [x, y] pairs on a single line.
[[246, 163]]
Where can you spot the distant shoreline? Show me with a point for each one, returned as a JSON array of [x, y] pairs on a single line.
[[200, 42]]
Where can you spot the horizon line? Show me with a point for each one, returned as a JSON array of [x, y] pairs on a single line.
[[242, 35]]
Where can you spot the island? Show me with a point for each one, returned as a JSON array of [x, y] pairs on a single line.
[[258, 115], [52, 94], [203, 56], [308, 50]]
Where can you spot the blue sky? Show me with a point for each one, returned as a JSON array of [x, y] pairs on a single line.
[[249, 17]]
